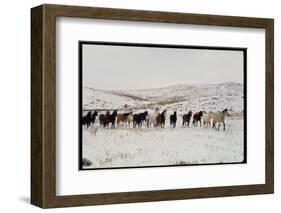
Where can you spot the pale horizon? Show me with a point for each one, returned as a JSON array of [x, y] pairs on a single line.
[[174, 85]]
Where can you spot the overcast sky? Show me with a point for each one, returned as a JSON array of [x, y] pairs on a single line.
[[125, 68]]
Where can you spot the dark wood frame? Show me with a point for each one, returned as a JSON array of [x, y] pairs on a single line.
[[43, 105]]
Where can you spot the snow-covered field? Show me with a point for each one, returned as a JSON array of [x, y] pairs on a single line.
[[139, 147], [128, 147]]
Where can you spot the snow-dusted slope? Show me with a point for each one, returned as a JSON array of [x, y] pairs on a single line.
[[209, 97], [102, 99]]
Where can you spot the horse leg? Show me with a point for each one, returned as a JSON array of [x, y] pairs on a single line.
[[223, 126], [219, 126], [214, 125]]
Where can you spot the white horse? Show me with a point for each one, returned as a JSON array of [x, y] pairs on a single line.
[[207, 118], [130, 119], [151, 119], [219, 118]]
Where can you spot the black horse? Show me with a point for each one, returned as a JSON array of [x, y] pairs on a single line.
[[197, 118], [93, 118], [173, 119], [186, 118], [139, 118], [86, 120]]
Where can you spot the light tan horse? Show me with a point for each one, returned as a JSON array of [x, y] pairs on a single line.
[[124, 118], [219, 118], [207, 118]]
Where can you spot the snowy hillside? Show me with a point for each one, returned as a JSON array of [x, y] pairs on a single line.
[[209, 97]]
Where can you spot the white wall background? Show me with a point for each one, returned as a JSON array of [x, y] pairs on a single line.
[[15, 104]]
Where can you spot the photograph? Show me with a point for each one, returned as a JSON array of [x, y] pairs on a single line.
[[159, 105]]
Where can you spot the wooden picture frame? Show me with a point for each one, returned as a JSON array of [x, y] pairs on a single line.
[[43, 105]]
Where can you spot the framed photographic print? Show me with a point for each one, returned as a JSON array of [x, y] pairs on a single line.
[[137, 106], [146, 123]]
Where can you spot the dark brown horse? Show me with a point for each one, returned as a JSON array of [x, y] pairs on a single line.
[[106, 119], [111, 119], [103, 117], [197, 118], [160, 119], [139, 118]]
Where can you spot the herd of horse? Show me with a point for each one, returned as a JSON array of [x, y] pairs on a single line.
[[155, 119]]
